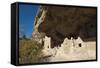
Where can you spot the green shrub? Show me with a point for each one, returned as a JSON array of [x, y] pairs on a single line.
[[29, 51]]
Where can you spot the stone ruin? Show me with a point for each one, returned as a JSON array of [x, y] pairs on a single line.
[[71, 43], [65, 30]]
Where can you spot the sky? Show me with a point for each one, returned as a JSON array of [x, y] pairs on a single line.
[[27, 13]]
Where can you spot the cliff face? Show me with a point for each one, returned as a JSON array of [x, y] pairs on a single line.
[[61, 22]]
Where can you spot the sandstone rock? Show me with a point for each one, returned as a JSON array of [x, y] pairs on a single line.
[[61, 22], [66, 33]]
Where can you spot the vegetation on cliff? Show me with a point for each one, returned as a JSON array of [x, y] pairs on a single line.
[[29, 51]]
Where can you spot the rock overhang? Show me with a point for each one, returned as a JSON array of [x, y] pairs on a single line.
[[61, 22]]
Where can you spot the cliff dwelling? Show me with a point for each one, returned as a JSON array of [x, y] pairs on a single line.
[[67, 33]]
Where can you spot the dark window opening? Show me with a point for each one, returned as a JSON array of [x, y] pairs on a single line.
[[80, 45]]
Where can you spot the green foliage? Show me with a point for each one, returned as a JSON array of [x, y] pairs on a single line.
[[29, 51]]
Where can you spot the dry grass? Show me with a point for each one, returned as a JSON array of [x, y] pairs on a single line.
[[29, 51]]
